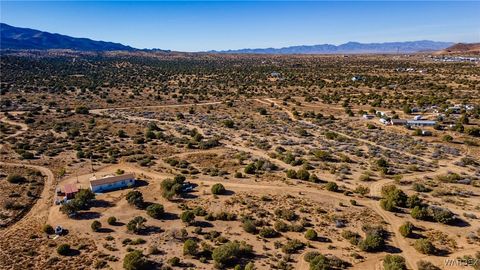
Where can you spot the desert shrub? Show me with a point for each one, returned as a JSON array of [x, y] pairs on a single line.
[[187, 217], [374, 241], [331, 186], [353, 237], [48, 229], [388, 205], [406, 229], [362, 190], [15, 179], [249, 226], [112, 220], [218, 189], [249, 266], [268, 232], [230, 252], [135, 198], [190, 247], [413, 201], [155, 210], [440, 214], [425, 265], [135, 260], [303, 174], [174, 261], [424, 246], [63, 249], [281, 226], [311, 234], [172, 187], [291, 173], [292, 246], [96, 225], [286, 214], [419, 213], [418, 187], [250, 169], [394, 262], [395, 195]]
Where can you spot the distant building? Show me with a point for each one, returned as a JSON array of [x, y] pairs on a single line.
[[110, 183], [70, 191], [398, 122], [368, 116], [417, 117], [383, 121], [421, 123]]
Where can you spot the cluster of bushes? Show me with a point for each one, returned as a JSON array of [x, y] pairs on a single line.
[[394, 262], [434, 213], [374, 238], [172, 187], [318, 261], [230, 252], [259, 165], [286, 214], [394, 198], [302, 174]]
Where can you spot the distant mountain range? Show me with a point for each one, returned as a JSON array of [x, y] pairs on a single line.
[[351, 48], [24, 38]]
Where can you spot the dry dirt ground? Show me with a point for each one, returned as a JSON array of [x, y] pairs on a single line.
[[257, 196]]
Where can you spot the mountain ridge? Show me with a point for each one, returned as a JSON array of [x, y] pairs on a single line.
[[351, 47], [19, 38]]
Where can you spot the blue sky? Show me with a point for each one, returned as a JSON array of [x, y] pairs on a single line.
[[199, 26]]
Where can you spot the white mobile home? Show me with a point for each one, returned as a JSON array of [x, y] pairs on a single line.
[[110, 183]]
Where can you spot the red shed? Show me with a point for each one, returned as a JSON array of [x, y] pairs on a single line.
[[70, 190]]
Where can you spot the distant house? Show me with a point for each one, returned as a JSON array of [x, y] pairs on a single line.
[[110, 183], [70, 191], [383, 121], [398, 122], [421, 123]]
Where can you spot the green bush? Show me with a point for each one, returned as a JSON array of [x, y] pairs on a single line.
[[424, 246], [136, 225], [15, 179], [406, 229], [268, 232], [425, 265], [250, 169], [281, 226], [303, 174], [249, 226], [155, 210], [292, 246], [230, 252], [174, 261], [394, 262], [187, 217], [311, 234], [440, 214], [291, 174], [372, 243], [63, 249], [419, 213], [96, 225], [218, 189], [190, 247], [331, 186], [135, 260], [48, 229], [135, 198], [112, 220]]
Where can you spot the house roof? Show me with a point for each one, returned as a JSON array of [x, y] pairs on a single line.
[[112, 179], [70, 188]]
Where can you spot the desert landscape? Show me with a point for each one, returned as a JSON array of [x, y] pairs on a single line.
[[165, 160]]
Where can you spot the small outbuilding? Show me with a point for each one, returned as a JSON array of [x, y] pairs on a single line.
[[110, 183], [70, 191]]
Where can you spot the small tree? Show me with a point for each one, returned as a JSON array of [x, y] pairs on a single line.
[[112, 220], [394, 262], [311, 234], [96, 225], [218, 189], [331, 186], [187, 217], [136, 224], [406, 229], [135, 198], [249, 226], [424, 246], [63, 249], [155, 210], [135, 260], [190, 247]]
